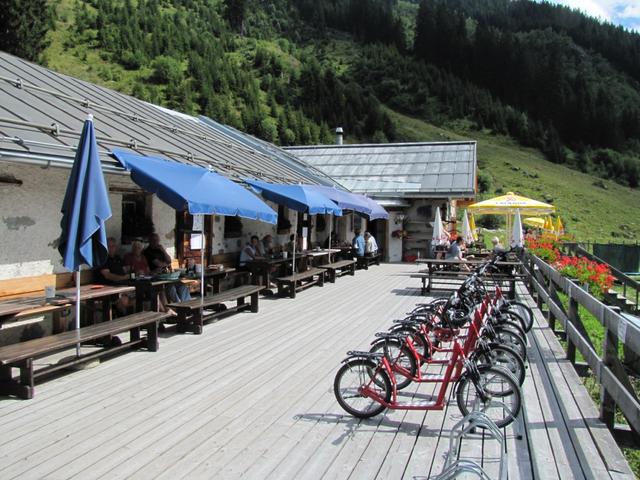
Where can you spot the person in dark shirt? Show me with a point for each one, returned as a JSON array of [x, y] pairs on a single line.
[[114, 272], [159, 260]]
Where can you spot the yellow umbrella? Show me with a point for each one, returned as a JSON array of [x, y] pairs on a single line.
[[548, 224], [507, 204], [535, 222], [559, 227], [472, 226]]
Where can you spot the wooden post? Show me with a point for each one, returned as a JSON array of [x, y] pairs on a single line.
[[574, 318], [551, 318], [609, 357]]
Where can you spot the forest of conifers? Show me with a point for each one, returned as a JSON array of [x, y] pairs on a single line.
[[290, 71]]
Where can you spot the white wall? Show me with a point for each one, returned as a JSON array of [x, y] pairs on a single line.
[[394, 245], [30, 220]]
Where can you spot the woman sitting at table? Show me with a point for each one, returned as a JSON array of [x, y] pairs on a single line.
[[137, 263]]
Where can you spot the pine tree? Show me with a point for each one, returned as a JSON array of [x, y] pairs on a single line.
[[23, 26]]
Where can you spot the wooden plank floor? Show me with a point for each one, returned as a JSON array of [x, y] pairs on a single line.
[[252, 397]]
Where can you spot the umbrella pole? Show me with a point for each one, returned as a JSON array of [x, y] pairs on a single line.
[[330, 225], [293, 256], [78, 309], [202, 267]]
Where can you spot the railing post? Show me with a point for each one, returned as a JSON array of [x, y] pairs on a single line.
[[551, 318], [574, 318], [609, 358]]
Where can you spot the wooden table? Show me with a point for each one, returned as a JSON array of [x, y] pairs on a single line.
[[211, 277], [443, 268], [317, 255], [261, 268], [149, 287], [25, 307]]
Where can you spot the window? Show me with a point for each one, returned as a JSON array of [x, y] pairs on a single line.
[[284, 225], [136, 216], [232, 227]]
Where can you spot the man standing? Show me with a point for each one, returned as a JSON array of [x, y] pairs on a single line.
[[371, 246], [358, 243]]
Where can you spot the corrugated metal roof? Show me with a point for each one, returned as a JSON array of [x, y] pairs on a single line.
[[41, 115], [398, 169]]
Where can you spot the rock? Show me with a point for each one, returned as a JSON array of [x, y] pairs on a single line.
[[600, 184], [548, 198], [515, 169]]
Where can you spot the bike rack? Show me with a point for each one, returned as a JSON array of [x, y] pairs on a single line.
[[454, 465], [518, 423]]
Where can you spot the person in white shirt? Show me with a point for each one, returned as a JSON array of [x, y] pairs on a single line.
[[370, 244], [250, 251]]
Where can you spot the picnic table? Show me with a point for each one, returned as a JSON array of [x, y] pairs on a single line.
[[321, 255], [212, 277], [150, 286], [438, 269], [31, 305], [261, 269]]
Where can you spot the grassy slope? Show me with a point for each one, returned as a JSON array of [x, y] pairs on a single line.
[[588, 212]]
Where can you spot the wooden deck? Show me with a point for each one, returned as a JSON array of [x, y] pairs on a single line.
[[252, 397]]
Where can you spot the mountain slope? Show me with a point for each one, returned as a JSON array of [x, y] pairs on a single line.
[[590, 212]]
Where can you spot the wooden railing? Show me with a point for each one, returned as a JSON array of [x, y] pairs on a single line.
[[630, 287], [615, 387]]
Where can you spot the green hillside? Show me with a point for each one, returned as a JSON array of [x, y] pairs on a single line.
[[606, 212]]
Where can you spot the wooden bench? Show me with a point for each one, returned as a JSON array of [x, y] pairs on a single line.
[[192, 315], [364, 262], [21, 355], [291, 284], [341, 267]]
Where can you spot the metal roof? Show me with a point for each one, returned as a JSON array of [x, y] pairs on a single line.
[[270, 150], [442, 169], [41, 116]]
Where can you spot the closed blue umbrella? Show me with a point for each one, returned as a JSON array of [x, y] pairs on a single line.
[[298, 197], [85, 210]]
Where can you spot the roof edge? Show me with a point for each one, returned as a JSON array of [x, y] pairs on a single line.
[[381, 145]]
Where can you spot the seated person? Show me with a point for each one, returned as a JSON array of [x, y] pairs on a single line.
[[498, 248], [358, 244], [290, 244], [250, 251], [455, 253], [159, 261], [371, 246], [136, 262], [266, 246], [114, 272]]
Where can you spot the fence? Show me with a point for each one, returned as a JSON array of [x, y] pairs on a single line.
[[623, 256], [608, 370]]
